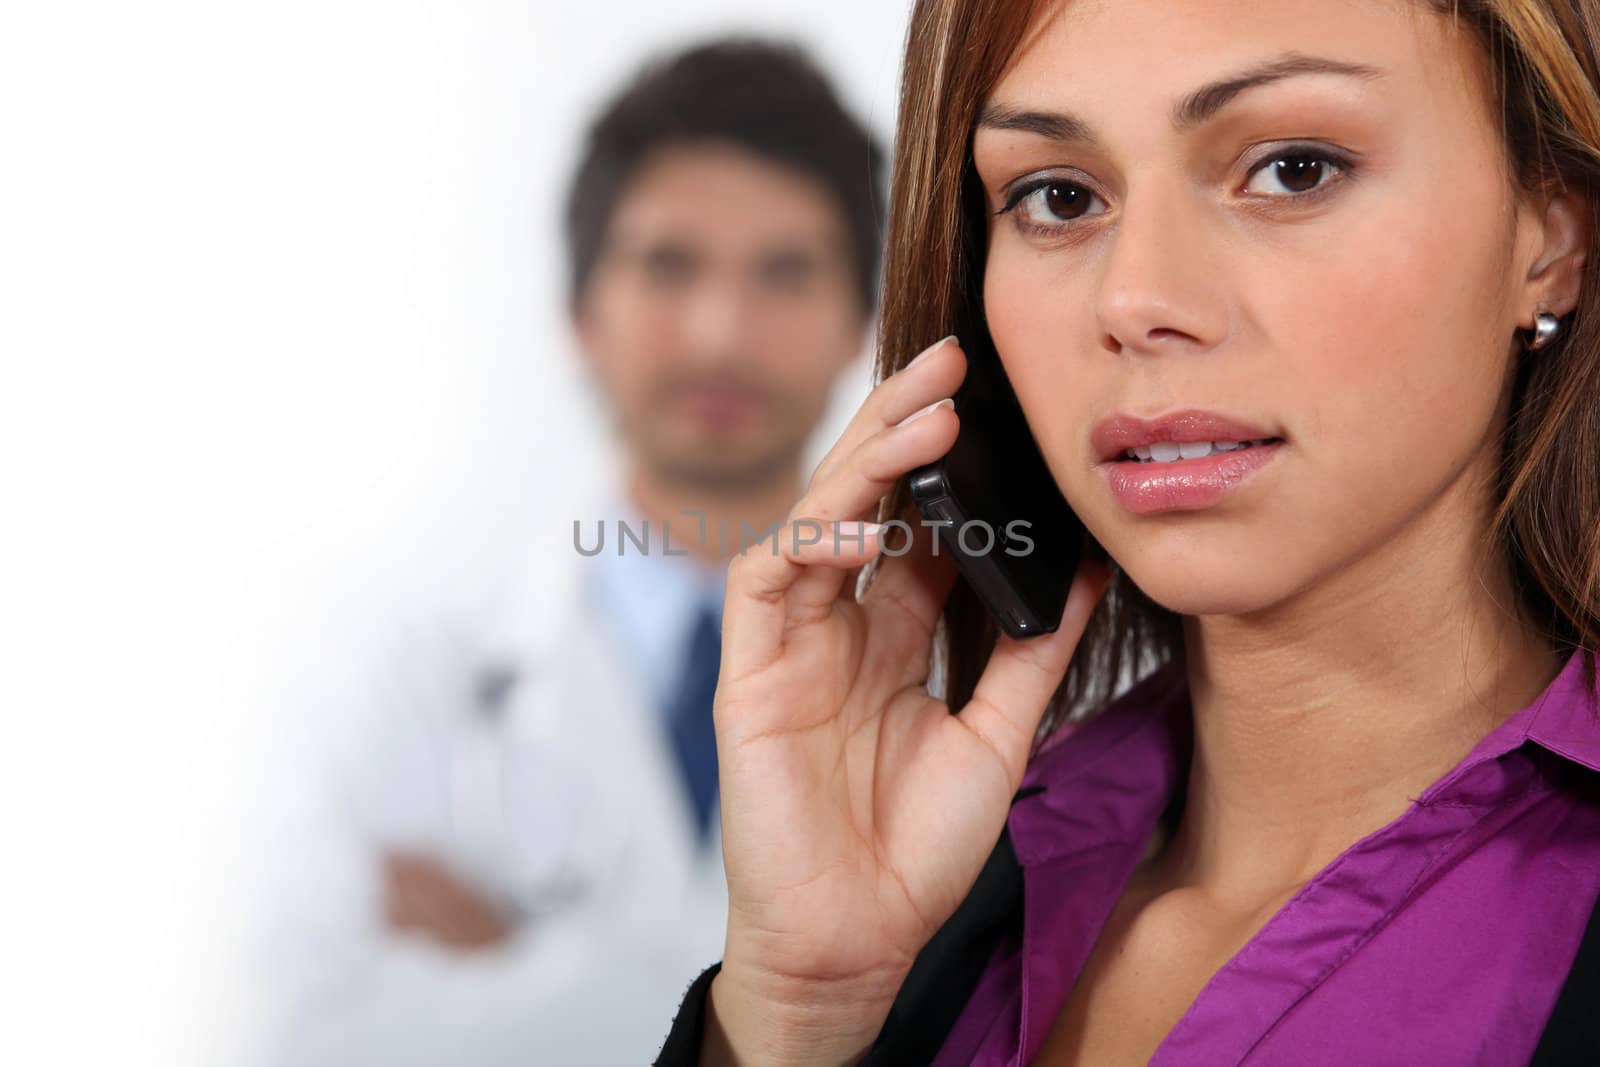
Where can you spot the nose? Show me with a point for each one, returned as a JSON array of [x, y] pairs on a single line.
[[716, 318], [1160, 286]]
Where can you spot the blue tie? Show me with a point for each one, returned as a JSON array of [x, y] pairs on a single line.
[[689, 723]]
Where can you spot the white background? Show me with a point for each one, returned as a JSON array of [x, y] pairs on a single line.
[[281, 344]]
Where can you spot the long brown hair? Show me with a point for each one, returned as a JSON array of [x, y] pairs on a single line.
[[1542, 54]]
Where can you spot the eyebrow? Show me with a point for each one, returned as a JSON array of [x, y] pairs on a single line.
[[1190, 111]]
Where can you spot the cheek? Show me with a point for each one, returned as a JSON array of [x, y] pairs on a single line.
[[1040, 318], [801, 344], [1383, 350], [633, 338]]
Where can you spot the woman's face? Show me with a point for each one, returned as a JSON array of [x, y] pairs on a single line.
[[1329, 259]]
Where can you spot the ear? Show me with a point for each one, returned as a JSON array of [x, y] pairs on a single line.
[[1555, 277]]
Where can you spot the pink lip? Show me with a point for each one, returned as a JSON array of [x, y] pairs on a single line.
[[1184, 484], [720, 406], [1115, 435]]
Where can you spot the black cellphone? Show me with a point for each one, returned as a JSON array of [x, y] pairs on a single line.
[[999, 510]]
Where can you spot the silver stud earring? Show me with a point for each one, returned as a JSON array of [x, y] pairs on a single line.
[[1545, 328]]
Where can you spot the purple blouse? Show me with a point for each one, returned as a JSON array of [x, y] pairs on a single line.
[[1443, 937]]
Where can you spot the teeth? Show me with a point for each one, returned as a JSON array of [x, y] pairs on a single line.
[[1168, 451]]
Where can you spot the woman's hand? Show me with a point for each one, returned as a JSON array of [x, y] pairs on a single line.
[[856, 810]]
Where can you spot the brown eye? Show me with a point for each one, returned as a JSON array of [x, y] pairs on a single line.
[[1050, 204], [1065, 201], [1299, 173], [1295, 173]]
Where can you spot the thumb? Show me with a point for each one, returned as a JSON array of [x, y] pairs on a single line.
[[1022, 675]]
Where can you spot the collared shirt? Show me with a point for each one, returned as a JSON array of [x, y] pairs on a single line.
[[651, 595], [1443, 937]]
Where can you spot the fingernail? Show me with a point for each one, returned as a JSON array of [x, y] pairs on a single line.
[[930, 350], [947, 402]]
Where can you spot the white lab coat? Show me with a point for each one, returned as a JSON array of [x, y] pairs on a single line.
[[568, 803]]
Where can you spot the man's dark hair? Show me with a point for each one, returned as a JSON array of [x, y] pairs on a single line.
[[765, 97]]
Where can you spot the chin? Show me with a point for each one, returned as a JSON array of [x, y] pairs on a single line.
[[1228, 582]]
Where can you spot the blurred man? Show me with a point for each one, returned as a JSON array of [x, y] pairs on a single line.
[[539, 790]]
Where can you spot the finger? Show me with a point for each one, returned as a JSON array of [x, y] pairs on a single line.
[[896, 543], [855, 487], [788, 574], [902, 607], [1021, 676], [906, 597], [935, 372], [762, 577]]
